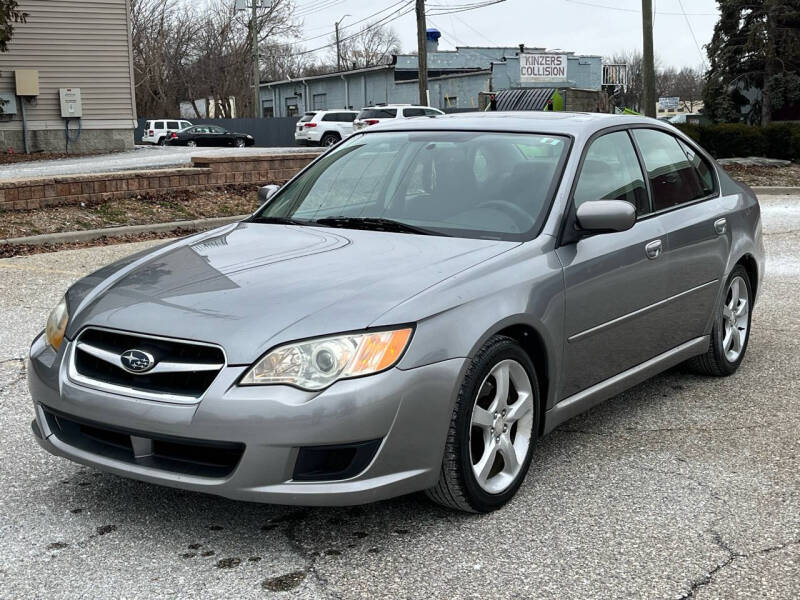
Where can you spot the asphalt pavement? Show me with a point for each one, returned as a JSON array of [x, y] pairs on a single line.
[[141, 157], [684, 486]]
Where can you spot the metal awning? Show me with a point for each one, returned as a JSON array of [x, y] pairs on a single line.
[[528, 99]]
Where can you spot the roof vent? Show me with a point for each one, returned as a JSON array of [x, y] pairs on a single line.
[[432, 36]]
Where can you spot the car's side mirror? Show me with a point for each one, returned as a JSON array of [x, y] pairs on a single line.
[[603, 216], [266, 192]]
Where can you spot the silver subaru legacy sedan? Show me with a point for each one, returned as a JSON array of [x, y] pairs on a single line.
[[413, 311]]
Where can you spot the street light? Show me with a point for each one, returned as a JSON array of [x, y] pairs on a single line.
[[338, 49]]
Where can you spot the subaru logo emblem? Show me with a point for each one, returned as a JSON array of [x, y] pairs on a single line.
[[137, 361]]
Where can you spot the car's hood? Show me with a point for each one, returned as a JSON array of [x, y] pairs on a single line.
[[251, 286]]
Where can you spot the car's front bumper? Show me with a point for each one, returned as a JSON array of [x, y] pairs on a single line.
[[408, 411]]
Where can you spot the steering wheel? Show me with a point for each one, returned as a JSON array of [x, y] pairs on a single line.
[[512, 210]]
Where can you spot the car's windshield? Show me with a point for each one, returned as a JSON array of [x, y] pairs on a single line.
[[470, 184]]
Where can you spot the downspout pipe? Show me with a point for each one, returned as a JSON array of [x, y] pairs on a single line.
[[346, 92]]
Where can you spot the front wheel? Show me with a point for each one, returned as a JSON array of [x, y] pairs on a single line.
[[731, 331], [492, 430], [239, 143]]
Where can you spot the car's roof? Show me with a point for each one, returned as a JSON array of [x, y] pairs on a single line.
[[568, 123]]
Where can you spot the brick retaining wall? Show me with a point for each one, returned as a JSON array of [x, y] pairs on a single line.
[[205, 172]]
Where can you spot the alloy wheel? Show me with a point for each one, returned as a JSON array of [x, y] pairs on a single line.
[[735, 319], [501, 426], [240, 143], [191, 143]]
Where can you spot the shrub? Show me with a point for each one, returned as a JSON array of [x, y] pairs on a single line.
[[778, 140], [727, 140]]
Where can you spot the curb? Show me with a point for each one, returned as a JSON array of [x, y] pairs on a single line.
[[93, 234], [776, 191]]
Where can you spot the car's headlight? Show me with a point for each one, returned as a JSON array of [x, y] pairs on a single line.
[[57, 324], [316, 364]]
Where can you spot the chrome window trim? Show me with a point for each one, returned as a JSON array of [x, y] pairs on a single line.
[[122, 390]]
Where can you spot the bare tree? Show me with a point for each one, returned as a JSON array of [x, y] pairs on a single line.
[[185, 53], [289, 61], [373, 45]]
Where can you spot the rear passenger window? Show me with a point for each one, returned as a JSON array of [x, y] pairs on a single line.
[[700, 165], [413, 112], [158, 125], [673, 179], [611, 171], [172, 125]]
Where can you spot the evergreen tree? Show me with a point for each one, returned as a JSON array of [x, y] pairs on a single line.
[[756, 46]]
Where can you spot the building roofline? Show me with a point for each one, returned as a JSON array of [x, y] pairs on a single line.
[[324, 75]]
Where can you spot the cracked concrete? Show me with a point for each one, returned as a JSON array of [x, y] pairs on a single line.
[[683, 487]]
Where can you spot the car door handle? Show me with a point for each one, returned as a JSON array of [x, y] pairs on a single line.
[[653, 249], [721, 226]]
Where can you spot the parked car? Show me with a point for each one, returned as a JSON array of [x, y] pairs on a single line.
[[157, 131], [324, 127], [378, 114], [209, 135], [413, 311]]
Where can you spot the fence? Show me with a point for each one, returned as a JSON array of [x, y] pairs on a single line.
[[268, 133]]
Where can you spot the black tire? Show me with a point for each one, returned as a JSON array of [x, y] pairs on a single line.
[[240, 142], [714, 362], [191, 144], [457, 487], [162, 141], [329, 139]]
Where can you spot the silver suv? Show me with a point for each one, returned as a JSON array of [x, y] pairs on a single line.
[[413, 311]]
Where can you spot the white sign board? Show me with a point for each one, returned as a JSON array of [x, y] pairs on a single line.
[[542, 67], [670, 102]]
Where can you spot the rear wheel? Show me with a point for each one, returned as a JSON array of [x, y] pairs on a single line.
[[162, 141], [191, 143], [492, 431], [329, 139], [731, 331]]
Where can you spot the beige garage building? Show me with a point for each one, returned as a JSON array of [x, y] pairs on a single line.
[[69, 70]]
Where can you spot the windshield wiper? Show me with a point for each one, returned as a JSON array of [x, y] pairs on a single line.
[[278, 220], [374, 224]]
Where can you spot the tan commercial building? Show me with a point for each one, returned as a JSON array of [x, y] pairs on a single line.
[[69, 70]]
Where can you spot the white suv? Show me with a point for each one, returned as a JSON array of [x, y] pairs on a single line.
[[376, 114], [156, 132], [324, 127]]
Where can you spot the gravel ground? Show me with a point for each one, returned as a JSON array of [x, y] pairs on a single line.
[[681, 487], [142, 157]]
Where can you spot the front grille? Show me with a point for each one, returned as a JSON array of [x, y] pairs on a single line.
[[199, 458], [181, 369]]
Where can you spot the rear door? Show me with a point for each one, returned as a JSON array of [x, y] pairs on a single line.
[[686, 195], [614, 282]]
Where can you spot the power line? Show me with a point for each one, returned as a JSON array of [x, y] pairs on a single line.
[[638, 11], [691, 30]]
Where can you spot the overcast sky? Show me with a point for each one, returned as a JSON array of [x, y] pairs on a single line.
[[583, 26]]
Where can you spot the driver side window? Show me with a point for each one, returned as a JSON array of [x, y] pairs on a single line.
[[611, 171]]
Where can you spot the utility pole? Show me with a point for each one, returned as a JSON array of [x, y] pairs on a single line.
[[648, 60], [422, 53], [254, 47], [338, 43], [338, 48]]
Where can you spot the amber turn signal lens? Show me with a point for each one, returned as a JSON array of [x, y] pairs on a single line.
[[379, 351]]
